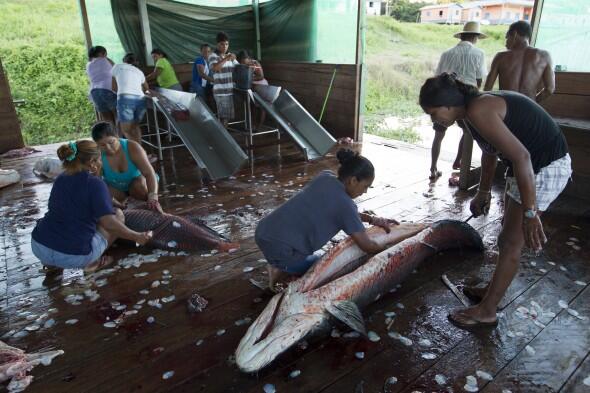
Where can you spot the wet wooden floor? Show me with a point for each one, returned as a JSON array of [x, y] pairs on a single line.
[[546, 353]]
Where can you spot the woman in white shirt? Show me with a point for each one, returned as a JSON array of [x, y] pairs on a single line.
[[103, 98], [130, 84]]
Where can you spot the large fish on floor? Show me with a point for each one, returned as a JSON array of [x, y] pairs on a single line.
[[176, 233], [332, 288]]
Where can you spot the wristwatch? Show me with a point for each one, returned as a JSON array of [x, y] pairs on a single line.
[[530, 213]]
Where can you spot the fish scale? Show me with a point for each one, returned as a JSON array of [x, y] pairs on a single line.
[[188, 235]]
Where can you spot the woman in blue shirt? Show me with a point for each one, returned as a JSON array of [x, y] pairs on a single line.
[[126, 168], [289, 236], [80, 223]]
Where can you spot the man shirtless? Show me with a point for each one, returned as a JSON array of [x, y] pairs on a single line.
[[522, 68]]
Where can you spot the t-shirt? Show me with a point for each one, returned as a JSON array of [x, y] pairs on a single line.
[[167, 76], [532, 126], [224, 83], [99, 73], [76, 203], [312, 217], [467, 61], [129, 79], [197, 79]]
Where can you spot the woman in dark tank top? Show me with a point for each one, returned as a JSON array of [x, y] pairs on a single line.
[[513, 127]]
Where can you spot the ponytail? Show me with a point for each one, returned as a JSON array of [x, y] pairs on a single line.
[[75, 156], [353, 164]]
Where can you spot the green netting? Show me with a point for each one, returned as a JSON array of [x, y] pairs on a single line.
[[563, 30], [305, 30]]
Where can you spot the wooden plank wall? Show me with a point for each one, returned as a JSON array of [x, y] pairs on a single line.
[[572, 100], [10, 134], [308, 83]]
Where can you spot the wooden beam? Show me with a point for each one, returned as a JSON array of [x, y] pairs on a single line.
[[146, 33], [10, 132], [536, 19], [85, 24], [256, 9], [358, 60]]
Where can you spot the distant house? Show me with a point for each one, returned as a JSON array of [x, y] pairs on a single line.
[[377, 8], [486, 11]]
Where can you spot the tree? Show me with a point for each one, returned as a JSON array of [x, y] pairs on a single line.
[[405, 11]]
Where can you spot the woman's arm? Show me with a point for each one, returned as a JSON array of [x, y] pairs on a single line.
[[140, 159], [114, 85], [366, 244], [113, 226], [203, 74], [382, 222]]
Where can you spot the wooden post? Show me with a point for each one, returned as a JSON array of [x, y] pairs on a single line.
[[466, 153], [10, 133], [256, 10], [145, 31], [85, 24], [358, 60], [536, 19]]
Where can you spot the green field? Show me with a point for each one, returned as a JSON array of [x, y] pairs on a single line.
[[399, 58], [44, 56]]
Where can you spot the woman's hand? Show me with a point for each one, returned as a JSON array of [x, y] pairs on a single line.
[[480, 204], [153, 203], [384, 223], [143, 237], [534, 236]]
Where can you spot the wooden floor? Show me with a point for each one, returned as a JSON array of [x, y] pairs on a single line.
[[523, 354]]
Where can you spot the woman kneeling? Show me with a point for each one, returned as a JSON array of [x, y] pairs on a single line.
[[80, 223], [125, 167]]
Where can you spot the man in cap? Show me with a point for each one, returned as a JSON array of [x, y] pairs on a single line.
[[468, 62], [522, 68]]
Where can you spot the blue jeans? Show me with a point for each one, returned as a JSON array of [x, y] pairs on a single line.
[[286, 258], [130, 108], [50, 257], [104, 100]]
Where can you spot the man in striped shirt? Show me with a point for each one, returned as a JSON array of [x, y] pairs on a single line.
[[468, 62], [222, 63]]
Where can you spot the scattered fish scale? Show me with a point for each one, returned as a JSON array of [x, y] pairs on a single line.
[[471, 384], [484, 375], [359, 355], [440, 379], [269, 388], [110, 324], [372, 336], [404, 340], [294, 374], [168, 375], [71, 321], [530, 350], [581, 283], [391, 380]]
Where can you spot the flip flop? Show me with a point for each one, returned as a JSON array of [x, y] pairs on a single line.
[[470, 323], [435, 175], [102, 262]]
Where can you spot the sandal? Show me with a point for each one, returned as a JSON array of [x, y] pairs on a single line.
[[462, 321], [101, 263], [434, 175]]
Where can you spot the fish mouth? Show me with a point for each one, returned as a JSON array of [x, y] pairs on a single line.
[[269, 335]]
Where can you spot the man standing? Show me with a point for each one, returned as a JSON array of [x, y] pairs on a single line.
[[522, 68], [468, 63], [201, 79], [222, 63]]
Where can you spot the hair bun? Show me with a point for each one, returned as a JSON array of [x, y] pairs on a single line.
[[64, 151], [345, 155]]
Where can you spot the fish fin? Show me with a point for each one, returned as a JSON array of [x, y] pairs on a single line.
[[348, 313]]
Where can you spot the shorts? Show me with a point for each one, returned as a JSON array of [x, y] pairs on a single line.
[[549, 182], [50, 257], [130, 108], [286, 258], [104, 100], [225, 106]]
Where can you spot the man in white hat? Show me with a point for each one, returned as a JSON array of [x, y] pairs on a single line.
[[468, 62], [522, 68]]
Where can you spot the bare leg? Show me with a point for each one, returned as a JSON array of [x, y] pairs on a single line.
[[107, 235], [108, 117], [104, 260], [510, 243], [276, 276], [138, 189], [457, 163], [118, 194], [435, 152], [130, 131]]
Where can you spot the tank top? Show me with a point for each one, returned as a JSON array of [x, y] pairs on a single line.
[[120, 180], [532, 126]]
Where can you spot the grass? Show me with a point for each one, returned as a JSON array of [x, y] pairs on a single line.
[[43, 53], [399, 58]]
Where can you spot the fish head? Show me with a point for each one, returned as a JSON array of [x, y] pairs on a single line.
[[287, 318]]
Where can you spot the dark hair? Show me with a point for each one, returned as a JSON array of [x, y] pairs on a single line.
[[130, 58], [158, 51], [221, 36], [242, 55], [96, 51], [75, 156], [204, 46], [521, 28], [102, 129], [446, 90], [353, 164]]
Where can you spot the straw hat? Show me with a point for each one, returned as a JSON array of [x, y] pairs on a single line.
[[470, 28]]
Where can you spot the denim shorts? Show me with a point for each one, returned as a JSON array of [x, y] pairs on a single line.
[[286, 258], [130, 108], [50, 257], [104, 100]]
